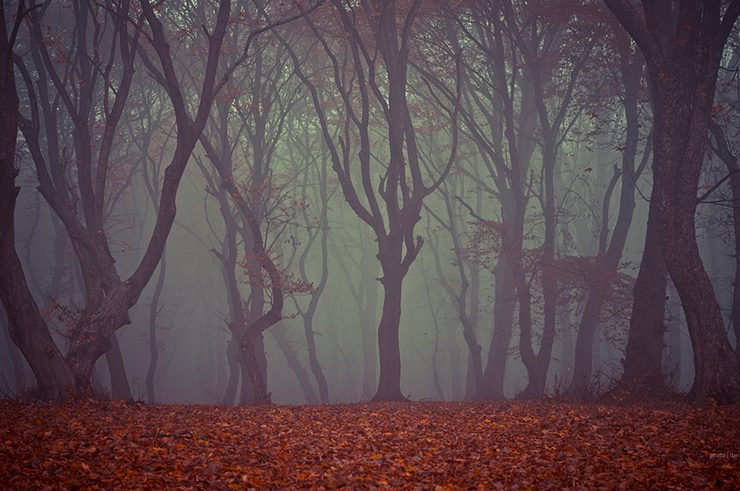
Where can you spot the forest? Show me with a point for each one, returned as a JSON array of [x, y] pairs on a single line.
[[229, 221]]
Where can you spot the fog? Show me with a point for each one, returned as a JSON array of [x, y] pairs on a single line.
[[452, 154]]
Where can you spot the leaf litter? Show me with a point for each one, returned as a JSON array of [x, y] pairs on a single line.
[[510, 445]]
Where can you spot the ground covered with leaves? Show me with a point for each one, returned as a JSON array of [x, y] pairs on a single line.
[[412, 445]]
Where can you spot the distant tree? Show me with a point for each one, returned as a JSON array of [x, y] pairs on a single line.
[[463, 293], [242, 140], [611, 246], [365, 295], [147, 134], [498, 113], [538, 34], [315, 227]]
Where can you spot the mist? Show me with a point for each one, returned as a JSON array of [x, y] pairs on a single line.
[[500, 131], [241, 203]]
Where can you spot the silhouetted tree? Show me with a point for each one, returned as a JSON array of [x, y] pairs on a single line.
[[682, 43], [368, 48]]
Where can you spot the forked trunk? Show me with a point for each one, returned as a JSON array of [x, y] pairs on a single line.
[[536, 380], [91, 337]]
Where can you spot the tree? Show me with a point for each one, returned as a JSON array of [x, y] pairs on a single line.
[[682, 43], [498, 112], [725, 146], [26, 326], [145, 137], [365, 295], [630, 65], [535, 37], [374, 40], [92, 140], [465, 297], [315, 229], [108, 296], [260, 110]]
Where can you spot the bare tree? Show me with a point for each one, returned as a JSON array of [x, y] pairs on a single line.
[[26, 326], [370, 54], [631, 66], [108, 296], [682, 43]]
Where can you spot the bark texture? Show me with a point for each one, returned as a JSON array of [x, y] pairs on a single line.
[[682, 43]]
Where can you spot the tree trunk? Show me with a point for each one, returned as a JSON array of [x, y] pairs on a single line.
[[254, 372], [503, 318], [119, 386], [389, 385], [26, 326], [252, 391], [253, 353], [314, 361], [16, 358], [247, 395], [153, 345], [232, 359], [291, 358], [642, 358], [679, 155]]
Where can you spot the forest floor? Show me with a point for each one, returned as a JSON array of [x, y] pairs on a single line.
[[394, 445]]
